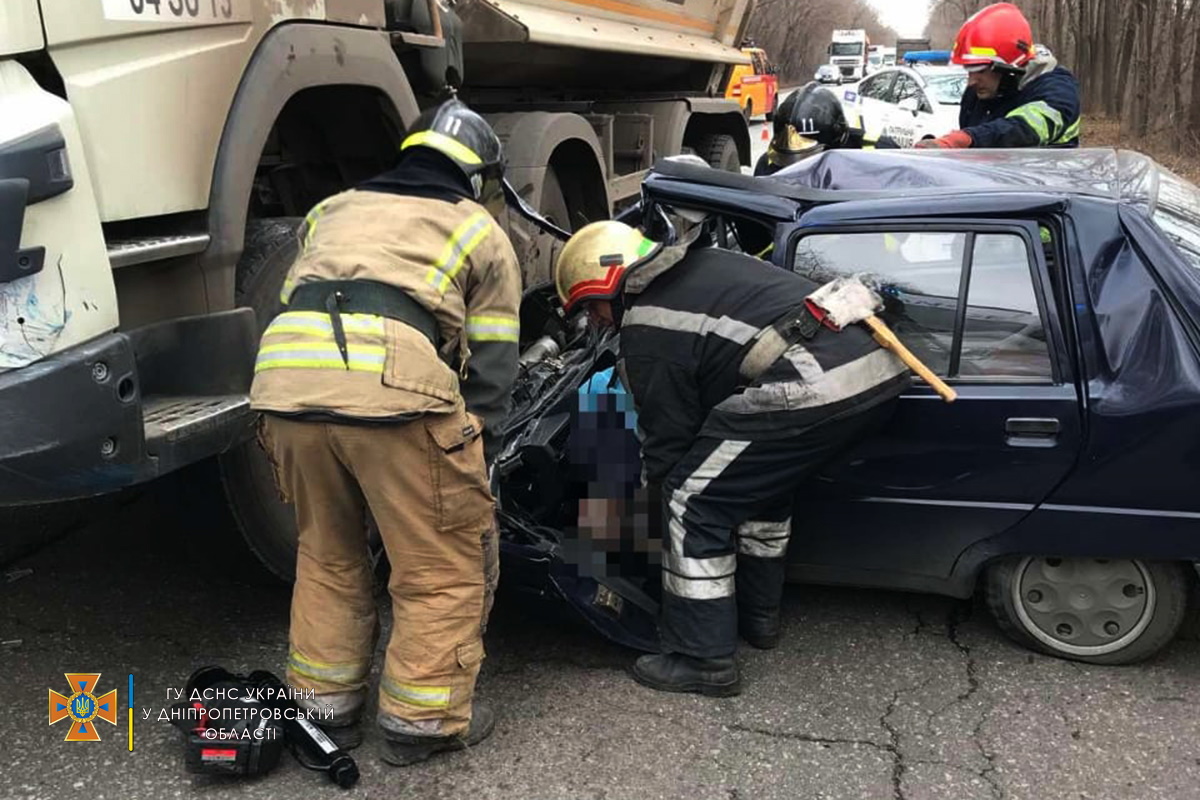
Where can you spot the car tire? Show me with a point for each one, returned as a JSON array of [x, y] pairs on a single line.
[[748, 109], [266, 522], [770, 115], [1144, 602], [720, 151]]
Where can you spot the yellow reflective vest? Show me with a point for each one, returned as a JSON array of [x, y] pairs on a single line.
[[453, 259]]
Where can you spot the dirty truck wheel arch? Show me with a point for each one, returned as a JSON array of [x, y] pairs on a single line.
[[290, 59], [554, 160], [711, 118]]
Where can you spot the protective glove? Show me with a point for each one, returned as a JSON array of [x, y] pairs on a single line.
[[952, 139]]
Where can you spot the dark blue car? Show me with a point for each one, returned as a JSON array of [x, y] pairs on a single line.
[[1057, 291]]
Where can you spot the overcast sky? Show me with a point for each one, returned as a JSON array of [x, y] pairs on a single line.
[[907, 17]]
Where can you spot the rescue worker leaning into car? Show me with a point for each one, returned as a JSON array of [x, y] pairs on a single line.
[[381, 385], [741, 394], [810, 121], [1017, 95]]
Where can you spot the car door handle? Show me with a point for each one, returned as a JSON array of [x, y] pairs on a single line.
[[1031, 431]]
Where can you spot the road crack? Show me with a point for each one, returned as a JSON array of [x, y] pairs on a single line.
[[953, 621]]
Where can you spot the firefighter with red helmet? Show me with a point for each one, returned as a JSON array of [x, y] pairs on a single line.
[[1017, 95]]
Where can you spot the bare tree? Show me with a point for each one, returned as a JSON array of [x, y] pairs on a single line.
[[796, 33]]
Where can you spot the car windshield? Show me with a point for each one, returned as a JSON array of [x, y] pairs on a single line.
[[947, 89], [846, 49], [1177, 214]]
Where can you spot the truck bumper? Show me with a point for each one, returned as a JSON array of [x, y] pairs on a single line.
[[125, 408]]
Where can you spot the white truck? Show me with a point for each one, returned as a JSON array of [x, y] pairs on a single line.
[[157, 155], [848, 53]]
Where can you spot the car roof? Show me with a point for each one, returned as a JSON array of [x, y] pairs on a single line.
[[841, 175]]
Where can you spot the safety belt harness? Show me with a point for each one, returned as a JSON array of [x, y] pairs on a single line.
[[362, 297], [773, 341]]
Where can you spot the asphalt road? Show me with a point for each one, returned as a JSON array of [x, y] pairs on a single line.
[[871, 695]]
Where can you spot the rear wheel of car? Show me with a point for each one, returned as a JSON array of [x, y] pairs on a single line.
[[720, 151], [748, 109], [770, 115], [1095, 610]]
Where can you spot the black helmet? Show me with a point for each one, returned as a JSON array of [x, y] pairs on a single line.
[[465, 138], [808, 121]]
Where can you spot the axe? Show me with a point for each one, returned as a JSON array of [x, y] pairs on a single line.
[[844, 301]]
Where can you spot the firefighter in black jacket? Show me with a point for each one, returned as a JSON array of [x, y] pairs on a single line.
[[727, 440], [1016, 95]]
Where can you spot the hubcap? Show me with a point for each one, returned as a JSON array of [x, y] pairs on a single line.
[[1083, 606]]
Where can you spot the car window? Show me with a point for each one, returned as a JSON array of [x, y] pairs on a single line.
[[946, 89], [1003, 333], [876, 88], [1177, 214], [905, 89], [919, 274]]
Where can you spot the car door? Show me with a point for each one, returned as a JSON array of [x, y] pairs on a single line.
[[872, 103], [973, 301], [905, 110]]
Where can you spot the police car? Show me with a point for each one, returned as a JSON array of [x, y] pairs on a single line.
[[907, 103]]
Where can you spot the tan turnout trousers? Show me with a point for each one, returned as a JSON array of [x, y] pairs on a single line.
[[425, 484]]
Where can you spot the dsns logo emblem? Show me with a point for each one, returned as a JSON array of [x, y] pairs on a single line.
[[83, 707]]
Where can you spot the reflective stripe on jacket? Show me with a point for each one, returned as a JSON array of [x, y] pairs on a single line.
[[450, 257]]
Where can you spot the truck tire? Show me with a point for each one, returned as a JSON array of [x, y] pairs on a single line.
[[720, 151], [267, 523], [553, 206], [1065, 606]]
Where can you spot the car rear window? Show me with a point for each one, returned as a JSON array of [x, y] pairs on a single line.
[[946, 89], [1177, 214], [920, 275]]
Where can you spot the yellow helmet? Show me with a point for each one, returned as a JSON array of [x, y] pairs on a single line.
[[594, 260]]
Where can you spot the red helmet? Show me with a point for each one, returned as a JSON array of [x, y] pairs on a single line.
[[998, 35]]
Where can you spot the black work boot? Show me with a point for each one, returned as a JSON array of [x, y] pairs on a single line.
[[759, 627], [400, 749], [676, 672]]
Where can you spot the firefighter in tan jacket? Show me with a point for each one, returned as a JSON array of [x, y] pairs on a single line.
[[382, 384]]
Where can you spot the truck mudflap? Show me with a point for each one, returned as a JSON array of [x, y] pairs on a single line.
[[125, 408]]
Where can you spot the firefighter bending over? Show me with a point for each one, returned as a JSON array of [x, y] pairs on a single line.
[[382, 382], [741, 395]]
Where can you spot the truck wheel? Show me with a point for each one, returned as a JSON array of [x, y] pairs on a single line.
[[553, 207], [267, 523], [748, 109], [770, 115], [720, 151], [1099, 611]]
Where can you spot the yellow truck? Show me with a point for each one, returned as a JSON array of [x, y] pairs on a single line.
[[155, 156]]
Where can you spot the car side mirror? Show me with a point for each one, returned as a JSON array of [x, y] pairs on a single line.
[[910, 104]]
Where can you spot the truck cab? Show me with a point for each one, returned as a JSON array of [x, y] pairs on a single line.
[[158, 156], [848, 51]]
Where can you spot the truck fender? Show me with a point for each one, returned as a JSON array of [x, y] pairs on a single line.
[[713, 116], [530, 140], [290, 59]]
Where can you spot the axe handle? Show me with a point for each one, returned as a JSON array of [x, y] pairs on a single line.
[[884, 335]]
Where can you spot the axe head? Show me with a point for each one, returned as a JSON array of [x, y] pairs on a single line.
[[845, 301]]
